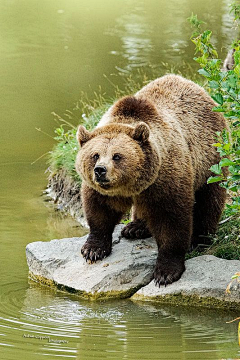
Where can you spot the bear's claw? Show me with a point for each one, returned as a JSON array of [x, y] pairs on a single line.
[[167, 272], [136, 230], [93, 252]]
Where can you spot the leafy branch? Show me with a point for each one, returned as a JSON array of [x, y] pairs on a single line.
[[224, 88]]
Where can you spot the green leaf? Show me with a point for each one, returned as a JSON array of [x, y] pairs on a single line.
[[232, 80], [236, 177], [204, 72], [234, 170], [215, 61], [216, 169], [214, 179], [202, 59], [213, 84], [233, 188], [226, 147], [225, 85], [236, 123], [218, 109], [237, 57], [226, 162], [217, 144], [218, 98], [237, 70], [223, 74]]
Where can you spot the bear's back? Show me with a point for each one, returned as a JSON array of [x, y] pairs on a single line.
[[185, 102], [187, 110]]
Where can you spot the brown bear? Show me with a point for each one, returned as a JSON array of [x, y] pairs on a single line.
[[152, 152]]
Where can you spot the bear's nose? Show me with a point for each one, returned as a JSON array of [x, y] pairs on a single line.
[[100, 172]]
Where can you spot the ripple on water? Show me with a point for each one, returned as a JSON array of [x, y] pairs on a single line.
[[46, 323]]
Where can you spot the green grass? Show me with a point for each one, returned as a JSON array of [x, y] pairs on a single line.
[[226, 243]]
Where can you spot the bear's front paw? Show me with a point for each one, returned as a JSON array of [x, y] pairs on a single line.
[[136, 230], [95, 251], [168, 270]]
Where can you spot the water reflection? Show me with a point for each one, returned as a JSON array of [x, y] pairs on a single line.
[[228, 29], [62, 326], [157, 32], [40, 322], [135, 34]]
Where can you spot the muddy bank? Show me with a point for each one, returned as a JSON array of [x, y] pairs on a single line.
[[65, 193]]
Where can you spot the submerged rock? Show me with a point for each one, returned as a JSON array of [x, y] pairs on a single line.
[[60, 263], [128, 271]]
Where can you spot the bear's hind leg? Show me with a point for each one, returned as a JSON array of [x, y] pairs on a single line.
[[170, 221], [136, 229], [208, 207]]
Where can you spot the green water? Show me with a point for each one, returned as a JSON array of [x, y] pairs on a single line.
[[51, 51]]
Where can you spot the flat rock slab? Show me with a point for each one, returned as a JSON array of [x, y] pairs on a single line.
[[127, 272], [59, 263], [203, 283]]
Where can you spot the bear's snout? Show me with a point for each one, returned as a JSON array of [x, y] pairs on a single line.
[[100, 172]]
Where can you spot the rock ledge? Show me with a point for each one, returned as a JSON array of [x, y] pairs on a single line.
[[59, 263], [203, 283], [128, 272]]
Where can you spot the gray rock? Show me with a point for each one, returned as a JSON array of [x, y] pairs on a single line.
[[203, 283], [60, 263], [128, 272]]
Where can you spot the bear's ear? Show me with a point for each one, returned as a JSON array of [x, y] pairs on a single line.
[[141, 132], [83, 135]]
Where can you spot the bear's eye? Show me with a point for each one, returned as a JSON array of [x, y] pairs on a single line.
[[116, 157], [95, 157]]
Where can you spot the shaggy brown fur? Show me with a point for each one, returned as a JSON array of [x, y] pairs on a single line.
[[153, 151]]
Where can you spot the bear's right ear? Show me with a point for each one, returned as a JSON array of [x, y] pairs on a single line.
[[83, 135], [141, 132]]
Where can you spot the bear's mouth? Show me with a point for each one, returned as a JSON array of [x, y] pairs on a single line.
[[103, 183]]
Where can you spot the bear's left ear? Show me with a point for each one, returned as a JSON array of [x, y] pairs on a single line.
[[83, 135], [141, 132]]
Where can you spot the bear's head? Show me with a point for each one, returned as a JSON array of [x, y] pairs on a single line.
[[117, 159]]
